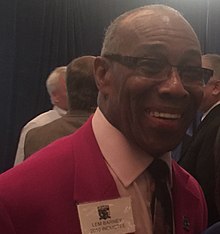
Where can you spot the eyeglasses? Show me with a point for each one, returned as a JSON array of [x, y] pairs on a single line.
[[160, 69]]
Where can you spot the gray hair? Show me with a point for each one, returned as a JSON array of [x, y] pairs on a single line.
[[113, 41], [52, 82]]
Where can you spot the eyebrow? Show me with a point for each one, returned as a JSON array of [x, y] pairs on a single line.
[[191, 55]]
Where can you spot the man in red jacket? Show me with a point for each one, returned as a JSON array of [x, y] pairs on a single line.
[[98, 180]]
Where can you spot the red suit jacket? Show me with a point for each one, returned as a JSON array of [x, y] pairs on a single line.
[[40, 195]]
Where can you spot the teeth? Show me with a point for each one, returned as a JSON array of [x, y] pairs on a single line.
[[165, 115]]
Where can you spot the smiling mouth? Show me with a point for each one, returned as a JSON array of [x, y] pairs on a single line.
[[164, 115]]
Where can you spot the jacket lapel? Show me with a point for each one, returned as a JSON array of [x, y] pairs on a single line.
[[91, 186], [186, 195]]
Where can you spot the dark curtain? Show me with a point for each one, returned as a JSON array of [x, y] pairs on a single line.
[[38, 35]]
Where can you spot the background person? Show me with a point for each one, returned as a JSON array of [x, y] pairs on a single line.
[[213, 229], [199, 160], [56, 87], [82, 101], [217, 171], [145, 106]]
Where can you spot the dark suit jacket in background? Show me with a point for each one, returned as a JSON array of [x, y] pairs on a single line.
[[214, 229], [41, 194], [217, 171], [200, 161], [39, 137]]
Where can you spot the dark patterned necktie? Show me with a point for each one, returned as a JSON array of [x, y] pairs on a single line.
[[161, 205]]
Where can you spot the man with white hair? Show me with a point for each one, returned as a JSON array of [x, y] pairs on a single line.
[[56, 88]]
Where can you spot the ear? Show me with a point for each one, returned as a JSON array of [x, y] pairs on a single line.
[[102, 74], [216, 89], [54, 98]]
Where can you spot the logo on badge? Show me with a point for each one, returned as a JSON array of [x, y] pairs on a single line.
[[104, 212]]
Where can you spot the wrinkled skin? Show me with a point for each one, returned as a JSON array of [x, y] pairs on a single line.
[[153, 115]]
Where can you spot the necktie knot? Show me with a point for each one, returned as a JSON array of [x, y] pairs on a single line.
[[159, 170]]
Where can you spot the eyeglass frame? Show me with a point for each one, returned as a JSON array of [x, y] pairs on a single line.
[[132, 62]]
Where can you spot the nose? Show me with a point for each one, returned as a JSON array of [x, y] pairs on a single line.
[[173, 86]]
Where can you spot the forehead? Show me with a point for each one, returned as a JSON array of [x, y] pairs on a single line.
[[158, 31]]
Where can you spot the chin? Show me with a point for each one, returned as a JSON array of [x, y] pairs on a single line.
[[159, 151]]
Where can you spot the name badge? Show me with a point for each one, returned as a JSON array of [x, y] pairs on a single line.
[[109, 216]]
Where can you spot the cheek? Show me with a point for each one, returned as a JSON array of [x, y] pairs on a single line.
[[206, 93], [139, 84], [64, 97], [137, 90]]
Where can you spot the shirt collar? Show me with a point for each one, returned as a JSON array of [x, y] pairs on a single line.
[[60, 111], [126, 160], [206, 113], [79, 113]]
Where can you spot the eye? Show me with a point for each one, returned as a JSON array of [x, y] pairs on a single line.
[[150, 67], [191, 74]]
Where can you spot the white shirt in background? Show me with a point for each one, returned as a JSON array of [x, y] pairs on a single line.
[[38, 121]]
